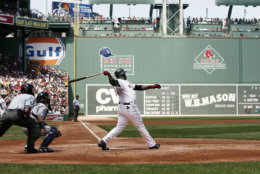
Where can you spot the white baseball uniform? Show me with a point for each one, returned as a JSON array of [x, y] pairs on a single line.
[[128, 110]]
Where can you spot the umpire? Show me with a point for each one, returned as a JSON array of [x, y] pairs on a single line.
[[18, 113], [76, 108]]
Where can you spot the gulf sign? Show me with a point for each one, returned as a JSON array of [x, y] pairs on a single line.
[[45, 51]]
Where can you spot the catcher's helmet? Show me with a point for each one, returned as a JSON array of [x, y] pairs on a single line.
[[27, 89], [106, 52], [43, 95], [120, 72]]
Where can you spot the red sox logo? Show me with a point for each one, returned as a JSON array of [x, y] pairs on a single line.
[[209, 54], [209, 60], [110, 61]]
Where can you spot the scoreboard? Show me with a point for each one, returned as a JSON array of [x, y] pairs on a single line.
[[164, 101], [248, 99]]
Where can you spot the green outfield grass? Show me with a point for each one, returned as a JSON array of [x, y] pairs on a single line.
[[204, 168], [204, 118], [220, 131], [16, 133]]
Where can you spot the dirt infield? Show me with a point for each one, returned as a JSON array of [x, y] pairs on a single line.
[[79, 146]]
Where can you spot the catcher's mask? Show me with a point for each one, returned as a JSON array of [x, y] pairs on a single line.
[[43, 95]]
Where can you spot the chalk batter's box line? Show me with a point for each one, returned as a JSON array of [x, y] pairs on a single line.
[[92, 132]]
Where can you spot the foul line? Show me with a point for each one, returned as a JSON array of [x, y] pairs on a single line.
[[93, 133]]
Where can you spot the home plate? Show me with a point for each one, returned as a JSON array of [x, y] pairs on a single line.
[[92, 144], [13, 152]]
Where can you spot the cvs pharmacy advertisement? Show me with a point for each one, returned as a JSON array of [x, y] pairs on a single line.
[[103, 100], [45, 51]]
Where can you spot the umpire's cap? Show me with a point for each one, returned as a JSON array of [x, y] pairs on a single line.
[[27, 89], [43, 95], [120, 72]]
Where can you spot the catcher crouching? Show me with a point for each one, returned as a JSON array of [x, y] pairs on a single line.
[[39, 113]]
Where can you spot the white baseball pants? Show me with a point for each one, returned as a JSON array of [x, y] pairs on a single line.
[[130, 112]]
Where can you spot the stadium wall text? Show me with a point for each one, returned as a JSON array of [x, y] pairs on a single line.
[[170, 61], [170, 100]]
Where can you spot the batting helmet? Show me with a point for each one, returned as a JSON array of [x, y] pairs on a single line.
[[43, 95], [106, 52], [120, 72], [27, 89]]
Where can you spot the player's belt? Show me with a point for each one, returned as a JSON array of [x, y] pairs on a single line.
[[14, 110], [125, 103]]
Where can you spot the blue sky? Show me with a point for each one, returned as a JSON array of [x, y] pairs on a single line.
[[197, 8]]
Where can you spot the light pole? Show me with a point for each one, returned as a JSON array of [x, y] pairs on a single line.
[[46, 7]]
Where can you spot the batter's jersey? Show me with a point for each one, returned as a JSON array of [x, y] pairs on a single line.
[[39, 109], [126, 91], [22, 100]]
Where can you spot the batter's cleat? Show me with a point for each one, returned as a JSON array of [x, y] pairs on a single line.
[[46, 149], [32, 150], [156, 146], [25, 147], [103, 145]]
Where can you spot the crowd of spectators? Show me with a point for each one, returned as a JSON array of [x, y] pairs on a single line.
[[215, 27], [245, 21], [135, 20], [221, 21], [59, 17], [5, 9], [21, 12], [43, 78], [204, 21], [121, 27], [66, 17]]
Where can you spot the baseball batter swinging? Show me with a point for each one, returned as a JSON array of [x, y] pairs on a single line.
[[127, 109]]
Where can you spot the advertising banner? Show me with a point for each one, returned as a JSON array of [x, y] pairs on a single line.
[[111, 62], [103, 100], [31, 23], [207, 99], [85, 10], [45, 50], [54, 117], [6, 19]]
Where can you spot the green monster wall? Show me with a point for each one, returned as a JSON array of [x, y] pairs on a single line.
[[160, 60]]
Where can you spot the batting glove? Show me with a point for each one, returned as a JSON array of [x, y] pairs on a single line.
[[106, 73], [156, 86]]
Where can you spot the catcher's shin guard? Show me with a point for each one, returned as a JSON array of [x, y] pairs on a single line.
[[49, 138]]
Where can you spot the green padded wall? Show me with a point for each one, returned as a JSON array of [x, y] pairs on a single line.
[[159, 60], [238, 2]]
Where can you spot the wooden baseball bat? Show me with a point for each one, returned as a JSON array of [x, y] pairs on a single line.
[[82, 78]]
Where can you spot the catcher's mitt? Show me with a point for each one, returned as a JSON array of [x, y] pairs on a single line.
[[58, 134]]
